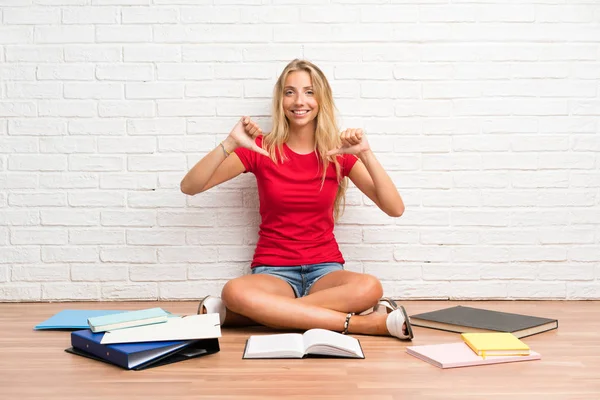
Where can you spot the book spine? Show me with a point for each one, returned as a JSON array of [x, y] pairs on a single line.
[[479, 353], [100, 350]]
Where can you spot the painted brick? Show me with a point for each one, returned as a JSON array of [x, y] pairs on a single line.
[[69, 218], [39, 273], [95, 163], [128, 254], [97, 199], [52, 254], [129, 291], [129, 181], [21, 292], [208, 271], [67, 108], [37, 199], [67, 145], [192, 290], [90, 15], [96, 90], [128, 218], [157, 237], [92, 53], [162, 273], [37, 127], [74, 291], [96, 236], [42, 54], [68, 180], [186, 254], [98, 272], [104, 126]]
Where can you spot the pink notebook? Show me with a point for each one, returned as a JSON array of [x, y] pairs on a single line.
[[452, 355]]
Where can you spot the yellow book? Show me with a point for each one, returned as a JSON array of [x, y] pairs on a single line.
[[495, 344]]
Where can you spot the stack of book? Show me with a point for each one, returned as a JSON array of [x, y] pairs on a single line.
[[475, 349], [488, 337], [139, 339]]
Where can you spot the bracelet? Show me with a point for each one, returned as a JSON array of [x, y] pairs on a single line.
[[347, 323], [227, 153]]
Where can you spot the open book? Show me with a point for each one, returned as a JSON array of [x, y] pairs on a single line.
[[314, 342]]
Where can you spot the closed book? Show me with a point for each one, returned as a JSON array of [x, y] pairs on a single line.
[[127, 319], [72, 319], [455, 355], [137, 356], [495, 344], [468, 319]]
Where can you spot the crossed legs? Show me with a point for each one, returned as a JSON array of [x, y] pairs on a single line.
[[270, 301]]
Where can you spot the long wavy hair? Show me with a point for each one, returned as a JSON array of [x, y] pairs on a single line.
[[326, 133]]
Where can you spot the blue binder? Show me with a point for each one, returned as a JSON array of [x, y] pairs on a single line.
[[137, 356]]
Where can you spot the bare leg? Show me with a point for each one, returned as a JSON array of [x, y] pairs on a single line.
[[270, 285], [345, 291], [259, 298], [348, 292], [233, 320], [342, 291]]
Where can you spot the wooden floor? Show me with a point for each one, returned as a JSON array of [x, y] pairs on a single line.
[[33, 364]]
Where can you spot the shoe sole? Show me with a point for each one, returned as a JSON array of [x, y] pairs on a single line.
[[408, 325], [391, 302], [201, 305]]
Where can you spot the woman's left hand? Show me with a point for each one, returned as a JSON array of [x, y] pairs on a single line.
[[353, 141]]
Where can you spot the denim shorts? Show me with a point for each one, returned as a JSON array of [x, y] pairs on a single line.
[[301, 278]]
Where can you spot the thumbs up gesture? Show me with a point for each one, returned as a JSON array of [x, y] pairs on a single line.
[[244, 133], [353, 141]]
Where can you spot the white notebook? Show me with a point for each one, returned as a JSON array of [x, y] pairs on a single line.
[[314, 342], [201, 326]]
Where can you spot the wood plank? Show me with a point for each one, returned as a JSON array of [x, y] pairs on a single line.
[[33, 364]]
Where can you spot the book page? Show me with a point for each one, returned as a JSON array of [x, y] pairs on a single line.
[[275, 346], [322, 341], [141, 357]]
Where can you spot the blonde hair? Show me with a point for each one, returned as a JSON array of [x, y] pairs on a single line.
[[326, 133]]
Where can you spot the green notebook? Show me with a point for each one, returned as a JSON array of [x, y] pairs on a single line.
[[128, 319]]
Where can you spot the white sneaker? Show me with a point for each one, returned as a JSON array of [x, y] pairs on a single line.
[[212, 305], [394, 323]]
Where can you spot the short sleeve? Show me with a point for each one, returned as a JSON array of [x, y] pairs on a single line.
[[347, 162], [248, 157]]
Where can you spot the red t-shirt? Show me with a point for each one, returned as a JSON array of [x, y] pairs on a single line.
[[297, 214]]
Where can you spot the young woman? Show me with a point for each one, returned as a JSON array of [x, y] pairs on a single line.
[[301, 168]]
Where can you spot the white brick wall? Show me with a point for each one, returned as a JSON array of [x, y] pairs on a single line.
[[486, 115]]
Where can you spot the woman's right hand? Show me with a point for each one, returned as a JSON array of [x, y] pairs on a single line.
[[244, 133]]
